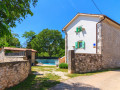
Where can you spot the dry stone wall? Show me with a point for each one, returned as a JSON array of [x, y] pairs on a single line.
[[82, 63], [87, 62], [13, 58], [12, 73], [1, 55]]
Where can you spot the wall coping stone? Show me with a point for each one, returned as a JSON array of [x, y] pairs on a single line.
[[13, 62]]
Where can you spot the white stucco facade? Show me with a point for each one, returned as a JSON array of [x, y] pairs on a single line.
[[88, 35]]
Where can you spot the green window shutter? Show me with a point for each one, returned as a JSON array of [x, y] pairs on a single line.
[[79, 44], [77, 29], [83, 44], [80, 28], [76, 44]]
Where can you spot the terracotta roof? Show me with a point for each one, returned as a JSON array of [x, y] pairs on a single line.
[[19, 49], [92, 15]]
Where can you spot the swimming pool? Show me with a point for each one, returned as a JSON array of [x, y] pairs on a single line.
[[48, 61]]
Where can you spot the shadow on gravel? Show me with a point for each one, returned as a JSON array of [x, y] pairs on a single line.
[[74, 86]]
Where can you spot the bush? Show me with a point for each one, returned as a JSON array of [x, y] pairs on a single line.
[[63, 65], [36, 62]]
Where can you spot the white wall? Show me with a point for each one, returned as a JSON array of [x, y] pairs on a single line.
[[89, 35]]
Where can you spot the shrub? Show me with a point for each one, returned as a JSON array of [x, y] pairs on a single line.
[[36, 62], [63, 65]]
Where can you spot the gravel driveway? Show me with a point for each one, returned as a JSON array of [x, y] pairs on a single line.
[[103, 81]]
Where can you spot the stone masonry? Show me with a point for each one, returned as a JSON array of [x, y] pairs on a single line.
[[88, 62], [82, 63], [12, 73]]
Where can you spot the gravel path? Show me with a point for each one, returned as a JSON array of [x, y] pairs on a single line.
[[102, 81]]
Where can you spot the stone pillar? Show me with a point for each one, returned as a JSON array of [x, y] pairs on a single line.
[[71, 61], [28, 55], [2, 54]]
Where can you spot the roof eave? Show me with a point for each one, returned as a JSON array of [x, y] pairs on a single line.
[[82, 14]]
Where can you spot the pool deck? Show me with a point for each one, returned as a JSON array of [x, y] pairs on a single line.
[[39, 64]]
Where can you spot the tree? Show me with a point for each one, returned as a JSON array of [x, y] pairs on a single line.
[[9, 41], [28, 36], [12, 11], [49, 41]]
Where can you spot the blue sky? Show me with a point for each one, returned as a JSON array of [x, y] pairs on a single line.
[[55, 14]]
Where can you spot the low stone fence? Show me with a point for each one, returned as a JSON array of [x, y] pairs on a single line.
[[14, 58], [82, 63], [12, 73]]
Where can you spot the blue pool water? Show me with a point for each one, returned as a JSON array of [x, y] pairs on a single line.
[[48, 61]]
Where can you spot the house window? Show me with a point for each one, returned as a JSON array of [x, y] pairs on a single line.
[[79, 29], [80, 44]]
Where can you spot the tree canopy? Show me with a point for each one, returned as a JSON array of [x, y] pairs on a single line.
[[49, 43], [9, 41], [12, 11], [29, 36]]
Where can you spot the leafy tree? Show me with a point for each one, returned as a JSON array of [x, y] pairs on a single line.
[[12, 11], [9, 41], [28, 36], [49, 42]]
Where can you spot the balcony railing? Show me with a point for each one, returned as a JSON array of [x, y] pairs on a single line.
[[15, 54]]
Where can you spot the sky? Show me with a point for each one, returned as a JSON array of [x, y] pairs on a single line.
[[55, 14]]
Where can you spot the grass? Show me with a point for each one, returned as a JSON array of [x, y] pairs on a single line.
[[33, 82], [43, 68], [62, 70], [48, 68]]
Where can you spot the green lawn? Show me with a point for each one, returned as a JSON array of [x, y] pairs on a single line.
[[48, 68]]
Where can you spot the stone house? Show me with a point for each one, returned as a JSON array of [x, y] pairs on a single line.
[[8, 54], [92, 42]]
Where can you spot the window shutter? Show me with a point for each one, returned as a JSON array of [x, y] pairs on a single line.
[[76, 44], [83, 44], [79, 45], [80, 28], [77, 29]]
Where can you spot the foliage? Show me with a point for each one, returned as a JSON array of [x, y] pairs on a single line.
[[12, 11], [43, 54], [36, 62], [34, 82], [28, 36], [63, 65], [49, 43], [9, 41]]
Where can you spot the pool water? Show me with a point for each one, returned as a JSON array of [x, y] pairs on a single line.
[[48, 61]]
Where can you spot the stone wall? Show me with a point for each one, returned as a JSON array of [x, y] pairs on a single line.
[[33, 57], [12, 73], [82, 63], [4, 58], [1, 55], [13, 58], [88, 62]]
